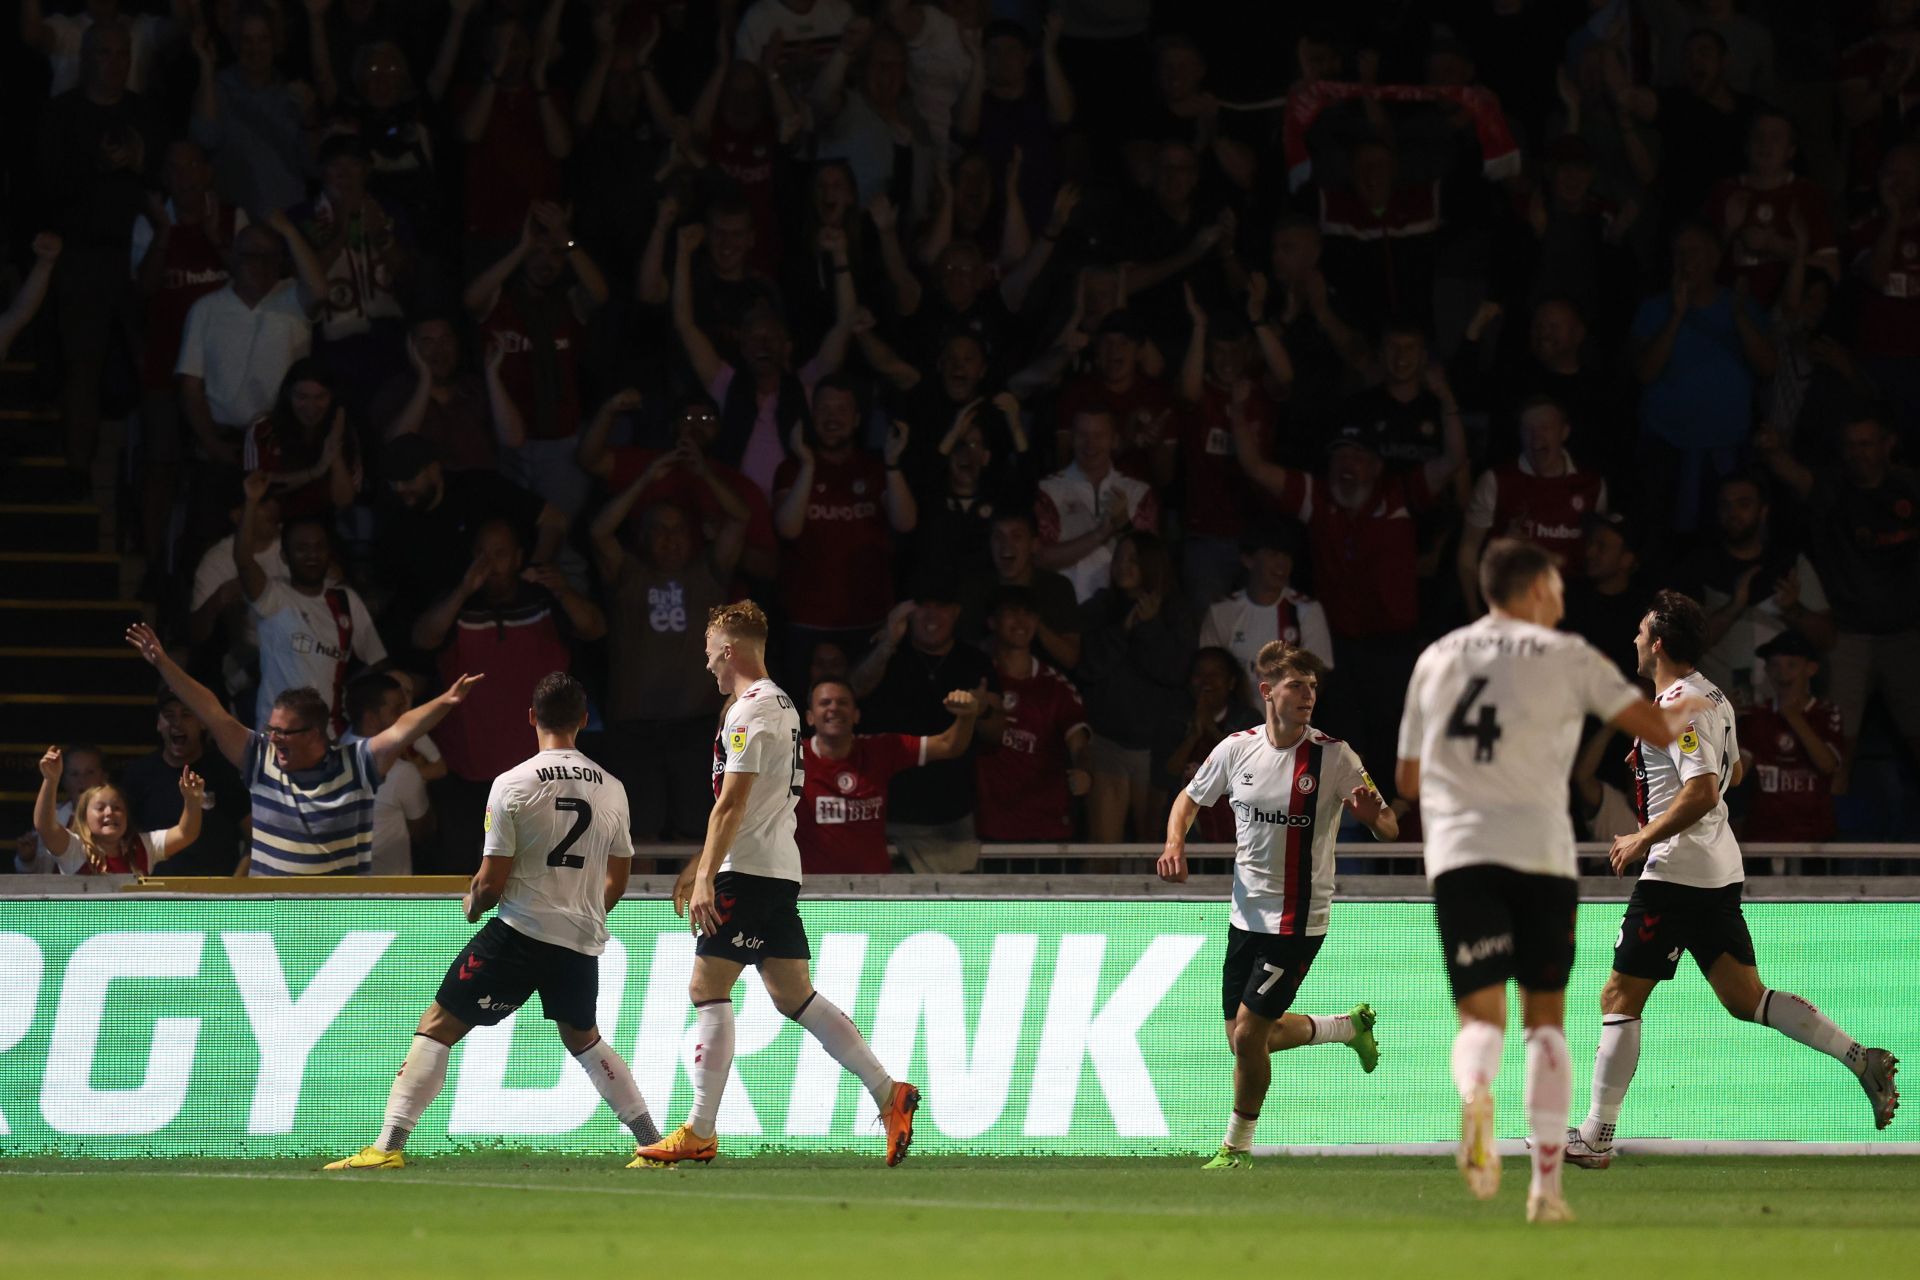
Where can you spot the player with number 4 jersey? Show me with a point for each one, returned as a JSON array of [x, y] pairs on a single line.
[[1487, 742], [1688, 896], [1289, 786], [741, 895], [556, 859]]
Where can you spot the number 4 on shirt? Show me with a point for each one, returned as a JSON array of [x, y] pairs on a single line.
[[1485, 729]]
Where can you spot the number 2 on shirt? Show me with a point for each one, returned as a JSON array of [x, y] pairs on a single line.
[[582, 818]]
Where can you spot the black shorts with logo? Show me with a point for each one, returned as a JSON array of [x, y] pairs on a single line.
[[759, 920], [496, 972], [1497, 924], [1263, 971], [1665, 919]]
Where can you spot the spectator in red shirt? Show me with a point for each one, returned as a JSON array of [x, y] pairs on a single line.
[[305, 446], [842, 815], [1222, 388], [529, 309], [834, 505], [1033, 754], [1791, 746], [444, 402], [1380, 236], [1886, 268], [1142, 406], [516, 132], [1540, 497], [1360, 527], [1756, 213], [687, 474]]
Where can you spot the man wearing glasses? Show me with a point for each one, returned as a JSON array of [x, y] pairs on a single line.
[[311, 798]]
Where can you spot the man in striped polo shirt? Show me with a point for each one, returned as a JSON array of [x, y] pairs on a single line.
[[1289, 786], [311, 798]]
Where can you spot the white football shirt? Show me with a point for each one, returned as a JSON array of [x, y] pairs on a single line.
[[1705, 855], [1493, 717], [1286, 818], [560, 817], [760, 735]]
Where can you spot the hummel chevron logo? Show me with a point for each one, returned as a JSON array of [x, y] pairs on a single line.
[[469, 967]]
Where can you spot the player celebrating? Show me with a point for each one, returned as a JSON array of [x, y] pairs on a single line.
[[741, 895], [1688, 895], [1287, 783], [557, 858], [1487, 741]]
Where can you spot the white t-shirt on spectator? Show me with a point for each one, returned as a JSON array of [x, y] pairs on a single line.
[[243, 352], [216, 569], [300, 643], [402, 798]]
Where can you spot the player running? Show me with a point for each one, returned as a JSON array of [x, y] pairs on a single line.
[[556, 859], [1287, 783], [741, 895], [1688, 895], [1487, 741]]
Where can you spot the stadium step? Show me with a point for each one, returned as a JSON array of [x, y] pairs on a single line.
[[67, 717], [59, 575], [119, 670], [49, 526], [92, 624], [30, 432], [41, 478]]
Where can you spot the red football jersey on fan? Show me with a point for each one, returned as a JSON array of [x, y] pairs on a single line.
[[1889, 321], [1548, 511], [1769, 210], [1364, 562], [1790, 800], [1220, 500], [842, 814], [1020, 781], [839, 575], [1144, 413]]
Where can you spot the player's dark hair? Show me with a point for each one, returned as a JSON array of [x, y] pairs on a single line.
[[1277, 656], [1680, 625], [559, 702], [1510, 567], [366, 694], [1016, 515], [306, 703]]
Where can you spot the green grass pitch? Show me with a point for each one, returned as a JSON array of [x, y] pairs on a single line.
[[529, 1216]]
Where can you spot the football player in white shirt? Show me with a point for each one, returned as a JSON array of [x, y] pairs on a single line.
[[1688, 895], [1288, 784], [741, 896], [1487, 742], [557, 858]]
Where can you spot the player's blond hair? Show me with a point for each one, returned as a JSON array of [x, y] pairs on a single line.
[[740, 620], [1277, 656]]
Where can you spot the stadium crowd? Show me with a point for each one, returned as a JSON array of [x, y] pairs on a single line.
[[1032, 363]]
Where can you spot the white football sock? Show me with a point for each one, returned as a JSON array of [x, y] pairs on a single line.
[[414, 1089], [842, 1040], [1549, 1093], [1792, 1016], [1240, 1131], [609, 1073], [1476, 1056], [712, 1060], [1333, 1029], [1613, 1068]]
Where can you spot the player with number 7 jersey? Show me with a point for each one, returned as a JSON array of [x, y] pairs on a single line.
[[556, 859]]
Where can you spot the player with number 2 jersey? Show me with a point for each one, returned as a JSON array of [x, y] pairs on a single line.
[[556, 859]]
